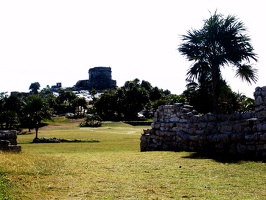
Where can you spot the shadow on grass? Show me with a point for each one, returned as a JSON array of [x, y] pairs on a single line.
[[138, 123], [59, 140], [224, 158], [32, 129]]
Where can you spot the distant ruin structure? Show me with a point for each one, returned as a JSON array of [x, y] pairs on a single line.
[[56, 87], [100, 78]]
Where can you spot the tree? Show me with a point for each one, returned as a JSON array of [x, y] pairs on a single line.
[[2, 109], [93, 93], [50, 97], [221, 42], [133, 99], [107, 105], [81, 106], [167, 99], [34, 87], [10, 110], [155, 94], [65, 101], [37, 109], [244, 103], [200, 97], [146, 85]]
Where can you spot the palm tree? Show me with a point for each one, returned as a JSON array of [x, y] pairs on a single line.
[[220, 42], [36, 109], [34, 87]]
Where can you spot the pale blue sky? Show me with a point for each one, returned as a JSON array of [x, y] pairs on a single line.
[[52, 41]]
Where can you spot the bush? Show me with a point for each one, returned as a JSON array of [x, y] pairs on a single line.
[[91, 121]]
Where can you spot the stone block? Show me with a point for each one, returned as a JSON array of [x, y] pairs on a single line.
[[173, 119], [194, 137], [251, 147], [261, 114], [4, 143], [241, 149], [251, 137], [8, 141], [262, 137]]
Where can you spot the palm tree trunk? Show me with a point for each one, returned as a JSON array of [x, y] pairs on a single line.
[[36, 129], [215, 87]]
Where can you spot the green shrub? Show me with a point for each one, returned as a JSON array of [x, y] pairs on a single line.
[[91, 121]]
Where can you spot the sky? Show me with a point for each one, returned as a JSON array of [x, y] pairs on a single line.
[[51, 41]]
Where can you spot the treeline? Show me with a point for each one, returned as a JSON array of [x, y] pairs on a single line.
[[27, 110], [122, 103], [133, 100], [128, 101]]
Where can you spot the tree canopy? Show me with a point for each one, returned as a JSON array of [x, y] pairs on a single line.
[[36, 108], [34, 87], [126, 102]]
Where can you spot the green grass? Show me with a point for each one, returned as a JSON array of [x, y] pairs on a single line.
[[4, 185], [114, 168]]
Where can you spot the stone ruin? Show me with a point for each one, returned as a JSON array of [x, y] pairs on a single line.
[[100, 78], [8, 141], [179, 128]]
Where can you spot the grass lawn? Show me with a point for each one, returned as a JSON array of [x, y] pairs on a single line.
[[114, 168]]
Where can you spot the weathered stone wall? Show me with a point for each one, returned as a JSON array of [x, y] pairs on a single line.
[[179, 128], [8, 141]]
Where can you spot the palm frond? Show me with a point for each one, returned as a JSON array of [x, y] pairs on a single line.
[[247, 73]]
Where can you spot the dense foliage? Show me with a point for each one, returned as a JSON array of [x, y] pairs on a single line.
[[133, 99], [130, 102], [18, 110], [91, 121], [200, 97]]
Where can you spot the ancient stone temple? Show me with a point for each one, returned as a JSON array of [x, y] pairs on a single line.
[[100, 78]]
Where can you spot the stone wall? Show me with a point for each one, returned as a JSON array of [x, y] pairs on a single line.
[[179, 128], [8, 141]]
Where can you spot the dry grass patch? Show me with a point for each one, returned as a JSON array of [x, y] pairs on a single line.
[[30, 176], [115, 169]]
